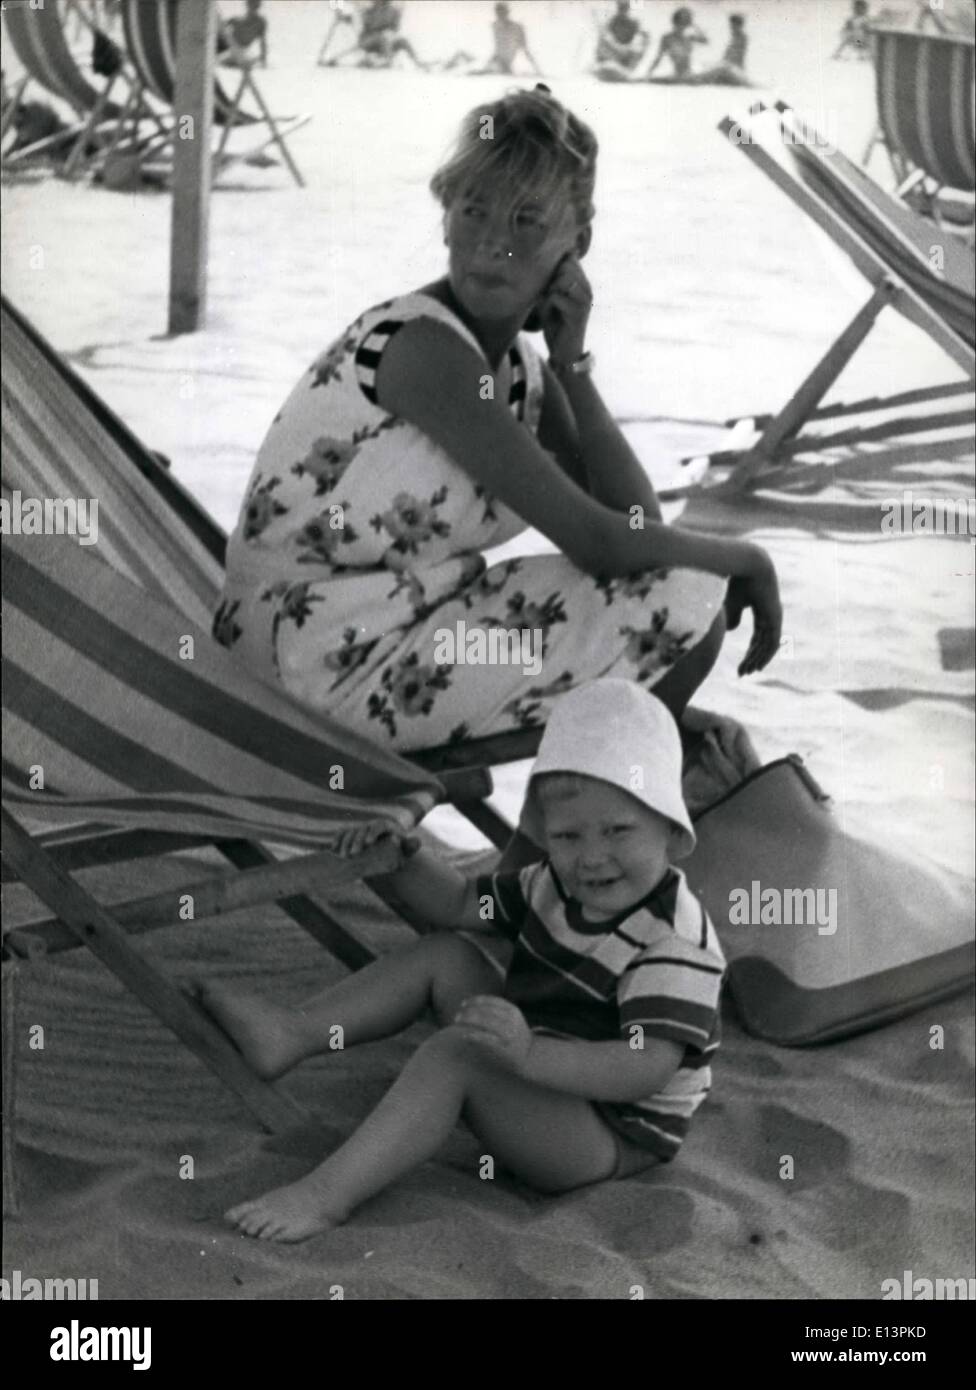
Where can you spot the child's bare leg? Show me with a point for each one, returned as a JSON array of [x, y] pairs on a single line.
[[384, 997], [554, 1141]]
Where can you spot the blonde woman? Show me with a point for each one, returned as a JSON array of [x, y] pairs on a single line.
[[431, 431]]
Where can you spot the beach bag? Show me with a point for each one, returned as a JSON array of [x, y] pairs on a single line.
[[827, 933]]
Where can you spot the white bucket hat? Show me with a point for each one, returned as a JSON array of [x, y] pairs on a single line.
[[618, 732]]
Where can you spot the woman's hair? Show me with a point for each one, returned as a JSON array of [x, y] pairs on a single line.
[[682, 18], [533, 144]]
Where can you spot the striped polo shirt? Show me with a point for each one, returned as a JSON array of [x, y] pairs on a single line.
[[657, 966]]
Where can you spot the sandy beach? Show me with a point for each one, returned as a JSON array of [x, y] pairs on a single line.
[[714, 296]]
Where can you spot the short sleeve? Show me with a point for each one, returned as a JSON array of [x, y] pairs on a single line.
[[396, 313], [672, 991], [508, 902]]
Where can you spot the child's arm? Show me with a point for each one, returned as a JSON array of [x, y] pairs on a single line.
[[602, 1070], [593, 1070], [435, 890]]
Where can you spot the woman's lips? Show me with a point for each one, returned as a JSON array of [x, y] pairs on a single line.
[[490, 282]]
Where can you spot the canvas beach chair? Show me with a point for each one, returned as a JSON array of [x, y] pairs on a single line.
[[150, 36], [926, 122], [84, 73], [892, 247], [118, 747]]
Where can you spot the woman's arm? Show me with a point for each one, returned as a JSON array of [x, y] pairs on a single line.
[[429, 377], [590, 446]]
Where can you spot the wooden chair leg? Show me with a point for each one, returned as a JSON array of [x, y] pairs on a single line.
[[9, 1030], [276, 135], [95, 928]]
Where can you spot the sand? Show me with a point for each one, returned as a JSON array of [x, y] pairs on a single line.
[[714, 296]]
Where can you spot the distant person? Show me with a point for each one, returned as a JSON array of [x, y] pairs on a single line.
[[238, 36], [731, 71], [379, 43], [679, 45], [509, 39], [622, 42], [855, 33]]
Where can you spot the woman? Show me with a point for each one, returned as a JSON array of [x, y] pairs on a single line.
[[431, 431], [679, 46]]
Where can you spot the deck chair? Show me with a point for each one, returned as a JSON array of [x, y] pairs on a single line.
[[893, 248], [142, 753], [38, 37], [150, 36], [924, 84]]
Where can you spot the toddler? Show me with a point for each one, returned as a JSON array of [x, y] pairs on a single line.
[[581, 1056]]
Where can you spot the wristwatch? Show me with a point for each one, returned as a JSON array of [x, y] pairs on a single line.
[[583, 366]]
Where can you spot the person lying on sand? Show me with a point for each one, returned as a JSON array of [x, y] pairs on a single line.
[[431, 431], [623, 41], [580, 1059], [510, 40], [679, 45]]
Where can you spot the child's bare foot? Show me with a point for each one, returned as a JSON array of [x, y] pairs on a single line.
[[268, 1036], [291, 1213]]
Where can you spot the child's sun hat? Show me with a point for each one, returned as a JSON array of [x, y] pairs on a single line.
[[616, 731]]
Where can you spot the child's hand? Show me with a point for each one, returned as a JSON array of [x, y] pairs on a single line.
[[359, 838], [498, 1025], [565, 310]]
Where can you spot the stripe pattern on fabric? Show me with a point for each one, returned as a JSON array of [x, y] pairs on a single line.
[[137, 718]]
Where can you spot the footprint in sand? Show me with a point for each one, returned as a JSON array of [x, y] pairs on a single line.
[[820, 1153]]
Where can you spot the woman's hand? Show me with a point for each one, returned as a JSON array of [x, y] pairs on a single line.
[[565, 310], [497, 1025], [359, 838], [759, 590]]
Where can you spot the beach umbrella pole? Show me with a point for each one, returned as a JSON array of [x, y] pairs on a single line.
[[196, 43]]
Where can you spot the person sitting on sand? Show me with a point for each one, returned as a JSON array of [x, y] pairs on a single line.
[[379, 43], [679, 45], [855, 33], [731, 71], [622, 42], [238, 35], [509, 39], [431, 431], [577, 1001]]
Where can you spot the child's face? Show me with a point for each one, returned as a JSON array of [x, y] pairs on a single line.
[[500, 263], [608, 849]]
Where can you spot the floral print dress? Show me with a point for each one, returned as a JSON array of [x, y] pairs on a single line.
[[361, 542]]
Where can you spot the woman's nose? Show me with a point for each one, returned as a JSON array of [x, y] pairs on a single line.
[[496, 240]]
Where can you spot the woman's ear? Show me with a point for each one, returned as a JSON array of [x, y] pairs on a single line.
[[583, 239]]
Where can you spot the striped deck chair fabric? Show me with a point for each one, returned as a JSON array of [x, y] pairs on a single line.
[[924, 84], [61, 440], [37, 37], [901, 237], [136, 717]]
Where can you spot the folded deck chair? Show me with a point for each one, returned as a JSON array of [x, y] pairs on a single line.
[[893, 249], [924, 84], [86, 77], [150, 36]]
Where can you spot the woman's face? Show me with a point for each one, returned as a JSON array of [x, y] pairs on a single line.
[[500, 260]]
